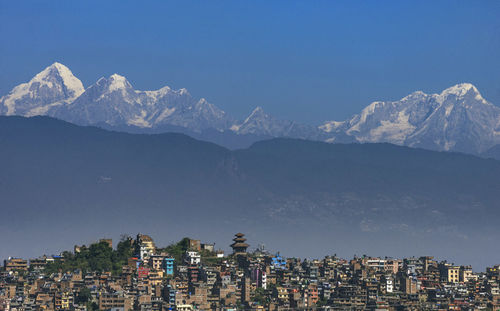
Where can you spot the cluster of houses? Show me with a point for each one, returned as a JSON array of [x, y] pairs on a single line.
[[205, 279]]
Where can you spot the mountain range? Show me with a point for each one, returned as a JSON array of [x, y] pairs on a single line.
[[457, 119], [61, 182]]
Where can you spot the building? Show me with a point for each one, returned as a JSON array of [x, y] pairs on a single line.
[[259, 277], [259, 280], [193, 258], [449, 273], [38, 263], [278, 262], [63, 300], [239, 246], [193, 273], [208, 247], [156, 261], [184, 307], [142, 272], [168, 265], [13, 264], [389, 284], [465, 274], [145, 246], [111, 301], [195, 245]]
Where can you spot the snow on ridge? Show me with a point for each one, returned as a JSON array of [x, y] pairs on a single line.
[[460, 89], [393, 131], [56, 78], [437, 121], [17, 93], [71, 82], [258, 111], [165, 114], [367, 111], [118, 82], [330, 126], [139, 120]]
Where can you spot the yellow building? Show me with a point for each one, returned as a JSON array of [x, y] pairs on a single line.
[[282, 293], [62, 300], [452, 274]]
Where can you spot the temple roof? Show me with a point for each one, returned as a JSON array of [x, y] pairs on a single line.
[[239, 245]]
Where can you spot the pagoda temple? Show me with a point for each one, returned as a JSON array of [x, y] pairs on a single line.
[[239, 246]]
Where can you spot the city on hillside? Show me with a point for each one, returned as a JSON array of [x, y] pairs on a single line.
[[192, 275]]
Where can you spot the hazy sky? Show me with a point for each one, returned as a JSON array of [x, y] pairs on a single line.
[[303, 60]]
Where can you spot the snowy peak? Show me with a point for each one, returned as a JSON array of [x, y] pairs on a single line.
[[55, 85], [457, 119], [113, 83], [332, 126], [158, 93], [464, 93], [117, 82], [113, 101], [261, 123], [58, 74], [257, 122], [258, 110], [460, 90], [256, 115]]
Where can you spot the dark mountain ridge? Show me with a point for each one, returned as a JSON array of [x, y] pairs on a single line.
[[61, 182]]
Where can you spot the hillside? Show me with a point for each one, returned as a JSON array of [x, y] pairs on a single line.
[[61, 182]]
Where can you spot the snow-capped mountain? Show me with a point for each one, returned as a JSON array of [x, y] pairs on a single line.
[[54, 86], [114, 102], [261, 123], [111, 102], [457, 119]]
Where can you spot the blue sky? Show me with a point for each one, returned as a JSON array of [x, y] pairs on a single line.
[[304, 60]]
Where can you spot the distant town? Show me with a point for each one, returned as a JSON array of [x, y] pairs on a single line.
[[192, 275]]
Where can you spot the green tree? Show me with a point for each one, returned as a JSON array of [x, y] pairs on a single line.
[[177, 250], [83, 296], [98, 257]]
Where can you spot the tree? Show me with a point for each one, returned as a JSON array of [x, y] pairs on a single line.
[[97, 257], [92, 306], [261, 297], [83, 296], [177, 250]]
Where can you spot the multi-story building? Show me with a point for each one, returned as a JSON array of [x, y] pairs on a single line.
[[13, 264], [449, 273], [168, 265], [251, 280], [145, 246], [114, 300], [465, 274]]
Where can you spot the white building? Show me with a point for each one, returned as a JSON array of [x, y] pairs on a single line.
[[193, 257]]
